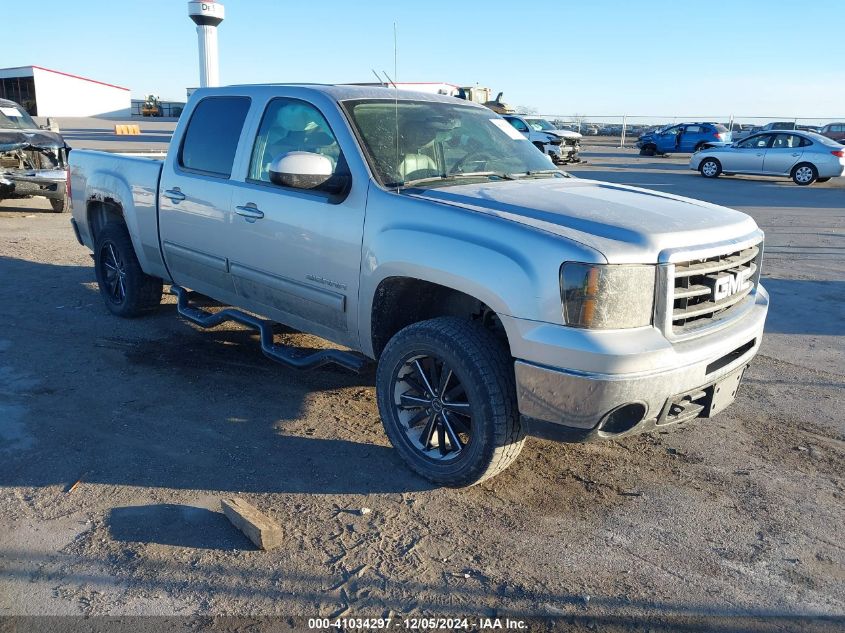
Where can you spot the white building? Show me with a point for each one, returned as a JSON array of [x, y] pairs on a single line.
[[44, 92]]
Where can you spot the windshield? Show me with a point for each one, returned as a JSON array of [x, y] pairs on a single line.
[[540, 124], [442, 142], [13, 117]]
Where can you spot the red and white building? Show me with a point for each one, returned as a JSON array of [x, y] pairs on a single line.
[[45, 92]]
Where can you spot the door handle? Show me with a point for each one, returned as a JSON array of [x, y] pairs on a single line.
[[250, 212], [760, 154], [797, 154], [174, 194]]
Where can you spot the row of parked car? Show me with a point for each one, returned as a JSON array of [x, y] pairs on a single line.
[[775, 149]]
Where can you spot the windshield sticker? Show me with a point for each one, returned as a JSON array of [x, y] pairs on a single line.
[[14, 112], [508, 129]]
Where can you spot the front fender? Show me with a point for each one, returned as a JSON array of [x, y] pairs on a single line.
[[512, 268]]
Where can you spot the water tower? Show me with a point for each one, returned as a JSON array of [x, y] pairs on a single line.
[[207, 16]]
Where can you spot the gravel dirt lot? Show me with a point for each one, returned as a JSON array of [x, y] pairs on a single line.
[[741, 515]]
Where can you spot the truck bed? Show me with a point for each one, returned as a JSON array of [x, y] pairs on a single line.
[[99, 180]]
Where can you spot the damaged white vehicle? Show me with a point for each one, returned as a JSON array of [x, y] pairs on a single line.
[[32, 160]]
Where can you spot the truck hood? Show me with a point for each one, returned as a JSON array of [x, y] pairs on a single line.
[[11, 140], [564, 133], [625, 224]]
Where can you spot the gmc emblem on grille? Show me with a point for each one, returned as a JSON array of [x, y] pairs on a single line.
[[729, 284]]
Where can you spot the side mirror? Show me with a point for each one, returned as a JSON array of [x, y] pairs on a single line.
[[307, 170]]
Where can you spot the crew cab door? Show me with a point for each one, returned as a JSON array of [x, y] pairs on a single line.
[[692, 136], [195, 196], [785, 152], [295, 253], [666, 139], [747, 156]]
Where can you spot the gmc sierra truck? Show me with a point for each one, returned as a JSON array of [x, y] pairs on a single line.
[[499, 296]]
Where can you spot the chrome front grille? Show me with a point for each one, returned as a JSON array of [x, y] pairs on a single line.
[[707, 290]]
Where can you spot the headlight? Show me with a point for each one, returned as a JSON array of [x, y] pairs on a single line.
[[607, 296]]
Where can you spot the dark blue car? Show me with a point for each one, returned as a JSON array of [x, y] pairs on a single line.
[[684, 138]]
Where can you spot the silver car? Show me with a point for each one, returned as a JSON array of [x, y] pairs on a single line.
[[806, 157]]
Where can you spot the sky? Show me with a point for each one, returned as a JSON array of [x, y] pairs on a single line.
[[765, 58]]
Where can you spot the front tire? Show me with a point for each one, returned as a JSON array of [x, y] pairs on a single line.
[[710, 168], [648, 150], [447, 399], [804, 174], [58, 205], [127, 291]]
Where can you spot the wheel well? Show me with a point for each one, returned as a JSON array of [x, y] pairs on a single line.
[[802, 164], [706, 158], [402, 301], [101, 213]]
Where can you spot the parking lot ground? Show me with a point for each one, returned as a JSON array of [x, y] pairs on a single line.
[[118, 439]]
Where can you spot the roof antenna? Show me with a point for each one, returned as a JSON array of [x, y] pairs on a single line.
[[380, 80]]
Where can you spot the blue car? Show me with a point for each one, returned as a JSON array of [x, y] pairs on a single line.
[[684, 138]]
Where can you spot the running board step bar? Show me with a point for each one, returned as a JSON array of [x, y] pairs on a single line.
[[279, 353]]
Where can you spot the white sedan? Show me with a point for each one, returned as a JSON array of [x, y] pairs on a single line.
[[806, 157]]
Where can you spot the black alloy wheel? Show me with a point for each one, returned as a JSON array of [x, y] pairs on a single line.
[[433, 407]]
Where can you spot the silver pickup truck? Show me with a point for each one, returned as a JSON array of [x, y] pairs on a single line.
[[500, 296]]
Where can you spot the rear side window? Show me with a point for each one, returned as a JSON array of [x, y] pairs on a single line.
[[721, 129], [211, 138], [693, 129]]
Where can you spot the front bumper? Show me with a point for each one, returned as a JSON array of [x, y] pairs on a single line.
[[570, 405], [23, 183], [562, 153]]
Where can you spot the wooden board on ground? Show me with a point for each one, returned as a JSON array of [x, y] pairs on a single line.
[[259, 528]]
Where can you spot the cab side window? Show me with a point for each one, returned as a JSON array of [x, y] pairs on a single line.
[[211, 139], [519, 125], [786, 141], [757, 142], [291, 125]]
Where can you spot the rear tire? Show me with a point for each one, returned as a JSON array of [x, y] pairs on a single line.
[[804, 174], [126, 289], [710, 168], [447, 398]]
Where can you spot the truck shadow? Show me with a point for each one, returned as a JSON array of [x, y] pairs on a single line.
[[157, 402]]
